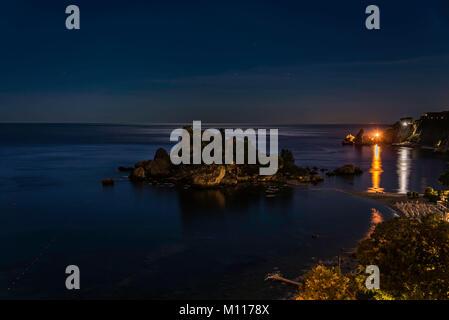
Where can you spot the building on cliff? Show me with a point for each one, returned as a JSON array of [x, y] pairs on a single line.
[[407, 121], [444, 115]]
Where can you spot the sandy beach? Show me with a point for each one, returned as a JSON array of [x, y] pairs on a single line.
[[391, 199], [387, 198]]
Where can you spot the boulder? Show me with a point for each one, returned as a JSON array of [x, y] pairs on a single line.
[[138, 174], [162, 155], [359, 137], [348, 140], [108, 182], [346, 170], [158, 168], [209, 176], [142, 163]]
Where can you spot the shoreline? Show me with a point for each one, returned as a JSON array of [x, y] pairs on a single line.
[[402, 205], [388, 199]]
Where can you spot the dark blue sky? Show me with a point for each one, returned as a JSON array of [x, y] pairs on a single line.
[[223, 61]]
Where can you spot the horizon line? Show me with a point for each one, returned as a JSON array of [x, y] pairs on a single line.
[[184, 123]]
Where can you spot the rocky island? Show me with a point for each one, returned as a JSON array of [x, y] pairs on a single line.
[[162, 170]]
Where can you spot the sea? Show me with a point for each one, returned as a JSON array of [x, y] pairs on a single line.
[[163, 242]]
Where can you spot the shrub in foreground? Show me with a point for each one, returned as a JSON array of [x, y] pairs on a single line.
[[412, 255], [413, 258]]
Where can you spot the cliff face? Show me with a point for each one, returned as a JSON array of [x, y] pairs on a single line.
[[431, 131]]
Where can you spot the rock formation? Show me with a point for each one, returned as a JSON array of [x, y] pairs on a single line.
[[162, 170], [108, 182], [346, 170]]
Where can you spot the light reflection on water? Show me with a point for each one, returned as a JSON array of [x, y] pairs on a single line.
[[376, 218], [376, 170], [403, 169]]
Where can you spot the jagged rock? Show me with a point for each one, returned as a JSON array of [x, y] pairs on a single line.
[[161, 154], [142, 163], [359, 137], [138, 174], [288, 160], [158, 168], [349, 140], [398, 133]]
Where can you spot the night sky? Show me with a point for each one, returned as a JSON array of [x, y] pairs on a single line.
[[222, 61]]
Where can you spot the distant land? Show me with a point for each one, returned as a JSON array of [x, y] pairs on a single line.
[[430, 131]]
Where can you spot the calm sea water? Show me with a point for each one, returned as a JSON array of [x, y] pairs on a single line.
[[165, 243]]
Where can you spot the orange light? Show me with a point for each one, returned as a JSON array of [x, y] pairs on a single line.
[[376, 170], [377, 134]]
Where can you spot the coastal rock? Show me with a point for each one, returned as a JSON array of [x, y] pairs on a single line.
[[142, 164], [158, 168], [125, 169], [209, 176], [359, 137], [401, 132], [288, 161], [108, 182], [138, 174], [163, 155], [349, 140], [346, 170]]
